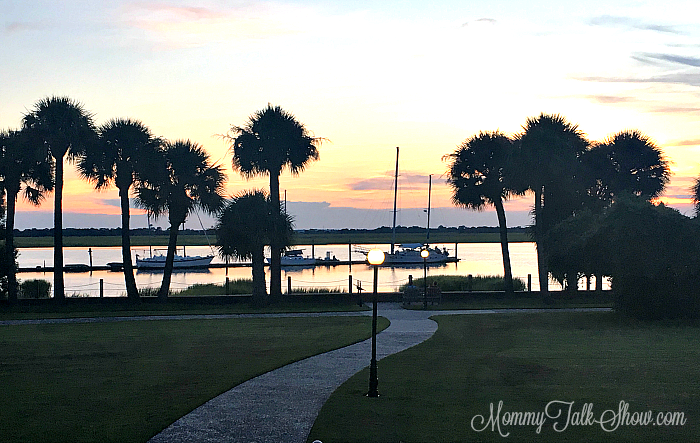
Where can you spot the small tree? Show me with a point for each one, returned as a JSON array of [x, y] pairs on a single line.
[[247, 224]]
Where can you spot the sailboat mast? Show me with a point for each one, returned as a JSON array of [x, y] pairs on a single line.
[[430, 186], [396, 190]]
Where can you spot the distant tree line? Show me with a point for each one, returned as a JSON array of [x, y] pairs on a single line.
[[99, 232]]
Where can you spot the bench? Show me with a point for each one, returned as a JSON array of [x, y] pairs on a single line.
[[413, 294]]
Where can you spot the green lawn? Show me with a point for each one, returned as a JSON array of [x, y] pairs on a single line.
[[126, 381], [432, 392], [581, 299], [110, 308]]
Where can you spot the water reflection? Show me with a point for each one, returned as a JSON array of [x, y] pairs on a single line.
[[475, 259]]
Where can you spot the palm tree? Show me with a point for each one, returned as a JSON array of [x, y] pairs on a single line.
[[272, 140], [246, 225], [478, 176], [63, 127], [24, 168], [181, 180], [548, 156], [630, 163], [124, 148], [695, 190]]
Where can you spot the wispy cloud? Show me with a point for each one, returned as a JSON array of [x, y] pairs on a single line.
[[17, 27], [609, 99], [632, 23], [672, 58], [689, 79], [197, 26], [480, 21], [695, 142], [407, 181]]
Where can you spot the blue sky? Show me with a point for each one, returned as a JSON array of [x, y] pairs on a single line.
[[368, 76]]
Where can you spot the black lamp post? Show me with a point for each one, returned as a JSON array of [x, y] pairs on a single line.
[[375, 257], [425, 253]]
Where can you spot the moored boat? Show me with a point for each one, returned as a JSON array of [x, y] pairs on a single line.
[[179, 262], [295, 257]]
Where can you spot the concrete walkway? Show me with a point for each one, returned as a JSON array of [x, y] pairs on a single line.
[[282, 405]]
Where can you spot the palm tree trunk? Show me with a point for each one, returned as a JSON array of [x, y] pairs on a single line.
[[542, 272], [275, 249], [59, 289], [131, 290], [169, 259], [10, 248], [503, 231], [259, 287]]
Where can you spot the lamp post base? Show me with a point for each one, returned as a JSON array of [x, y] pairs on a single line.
[[373, 381]]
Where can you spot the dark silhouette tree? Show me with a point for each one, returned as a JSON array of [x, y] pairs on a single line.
[[180, 180], [548, 156], [478, 175], [125, 147], [26, 168], [64, 128], [271, 141], [629, 163], [695, 190], [249, 222]]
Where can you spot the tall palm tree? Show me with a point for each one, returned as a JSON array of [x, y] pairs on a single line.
[[27, 168], [246, 225], [181, 181], [124, 148], [549, 150], [63, 127], [478, 176], [272, 140]]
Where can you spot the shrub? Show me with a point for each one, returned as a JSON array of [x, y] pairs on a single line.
[[467, 283], [35, 289], [652, 256]]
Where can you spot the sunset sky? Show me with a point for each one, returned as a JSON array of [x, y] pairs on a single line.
[[366, 75]]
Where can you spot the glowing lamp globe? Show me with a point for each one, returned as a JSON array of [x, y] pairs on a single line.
[[424, 253], [375, 257]]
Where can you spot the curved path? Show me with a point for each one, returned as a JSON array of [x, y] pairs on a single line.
[[282, 405]]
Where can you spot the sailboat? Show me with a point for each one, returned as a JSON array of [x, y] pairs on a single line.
[[184, 261], [409, 253]]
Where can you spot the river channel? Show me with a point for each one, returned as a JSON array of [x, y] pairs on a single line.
[[474, 259]]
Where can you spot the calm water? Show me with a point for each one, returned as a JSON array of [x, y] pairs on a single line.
[[475, 259]]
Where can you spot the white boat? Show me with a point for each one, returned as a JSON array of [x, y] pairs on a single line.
[[179, 262], [409, 254], [295, 257]]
